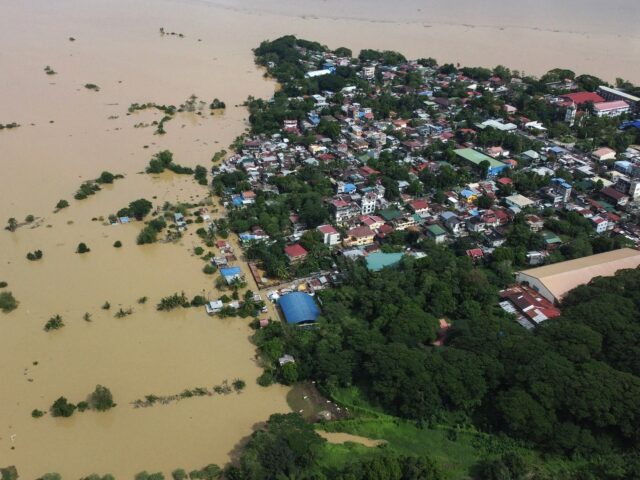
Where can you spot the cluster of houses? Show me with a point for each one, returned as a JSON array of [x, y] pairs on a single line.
[[602, 186]]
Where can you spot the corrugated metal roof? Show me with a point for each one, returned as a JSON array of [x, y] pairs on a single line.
[[299, 307]]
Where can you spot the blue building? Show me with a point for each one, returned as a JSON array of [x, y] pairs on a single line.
[[299, 308], [231, 273]]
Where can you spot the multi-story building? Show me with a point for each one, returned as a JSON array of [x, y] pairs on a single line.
[[368, 205]]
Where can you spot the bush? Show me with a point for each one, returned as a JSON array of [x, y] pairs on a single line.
[[173, 301], [62, 204], [29, 218], [266, 378], [198, 251], [179, 474], [54, 323], [101, 399], [82, 406], [238, 385], [92, 86], [106, 306], [62, 408], [142, 300], [198, 301], [3, 284], [82, 248], [147, 235], [37, 413], [209, 269], [50, 476], [36, 255], [106, 177], [117, 244]]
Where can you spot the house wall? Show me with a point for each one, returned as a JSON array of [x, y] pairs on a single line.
[[536, 284]]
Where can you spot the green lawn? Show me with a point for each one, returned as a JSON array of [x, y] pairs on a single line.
[[456, 450]]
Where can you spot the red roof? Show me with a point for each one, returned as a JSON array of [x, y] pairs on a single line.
[[475, 253], [360, 232], [327, 229], [530, 303], [419, 205], [582, 97], [295, 251], [615, 105], [505, 181]]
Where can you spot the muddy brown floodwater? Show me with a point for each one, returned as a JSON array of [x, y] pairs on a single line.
[[69, 134]]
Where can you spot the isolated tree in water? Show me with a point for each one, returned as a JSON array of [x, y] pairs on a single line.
[[12, 224], [101, 399]]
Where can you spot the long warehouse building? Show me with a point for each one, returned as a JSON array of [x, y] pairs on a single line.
[[554, 281]]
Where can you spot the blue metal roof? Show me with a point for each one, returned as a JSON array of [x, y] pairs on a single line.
[[379, 260], [299, 307], [230, 271]]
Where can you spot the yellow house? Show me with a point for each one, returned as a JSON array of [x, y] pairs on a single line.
[[359, 236]]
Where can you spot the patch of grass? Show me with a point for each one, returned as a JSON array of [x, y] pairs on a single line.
[[455, 449]]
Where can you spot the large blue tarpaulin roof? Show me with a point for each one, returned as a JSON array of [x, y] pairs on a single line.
[[299, 307]]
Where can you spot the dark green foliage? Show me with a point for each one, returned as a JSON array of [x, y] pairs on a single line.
[[238, 385], [62, 408], [286, 447], [3, 284], [92, 86], [392, 466], [86, 189], [198, 301], [62, 204], [200, 174], [117, 244], [50, 476], [147, 235], [101, 399], [173, 301], [139, 208], [179, 474], [209, 269], [217, 104], [144, 475], [210, 472], [82, 248], [8, 473], [82, 406], [54, 323], [37, 413], [106, 177], [164, 160], [35, 255]]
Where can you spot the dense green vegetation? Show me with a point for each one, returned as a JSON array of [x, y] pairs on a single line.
[[376, 331], [101, 399], [7, 302], [35, 255], [288, 448], [82, 248], [54, 323], [163, 160]]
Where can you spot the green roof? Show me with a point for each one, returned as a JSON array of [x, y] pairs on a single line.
[[390, 214], [379, 260], [436, 230], [550, 237], [477, 157]]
